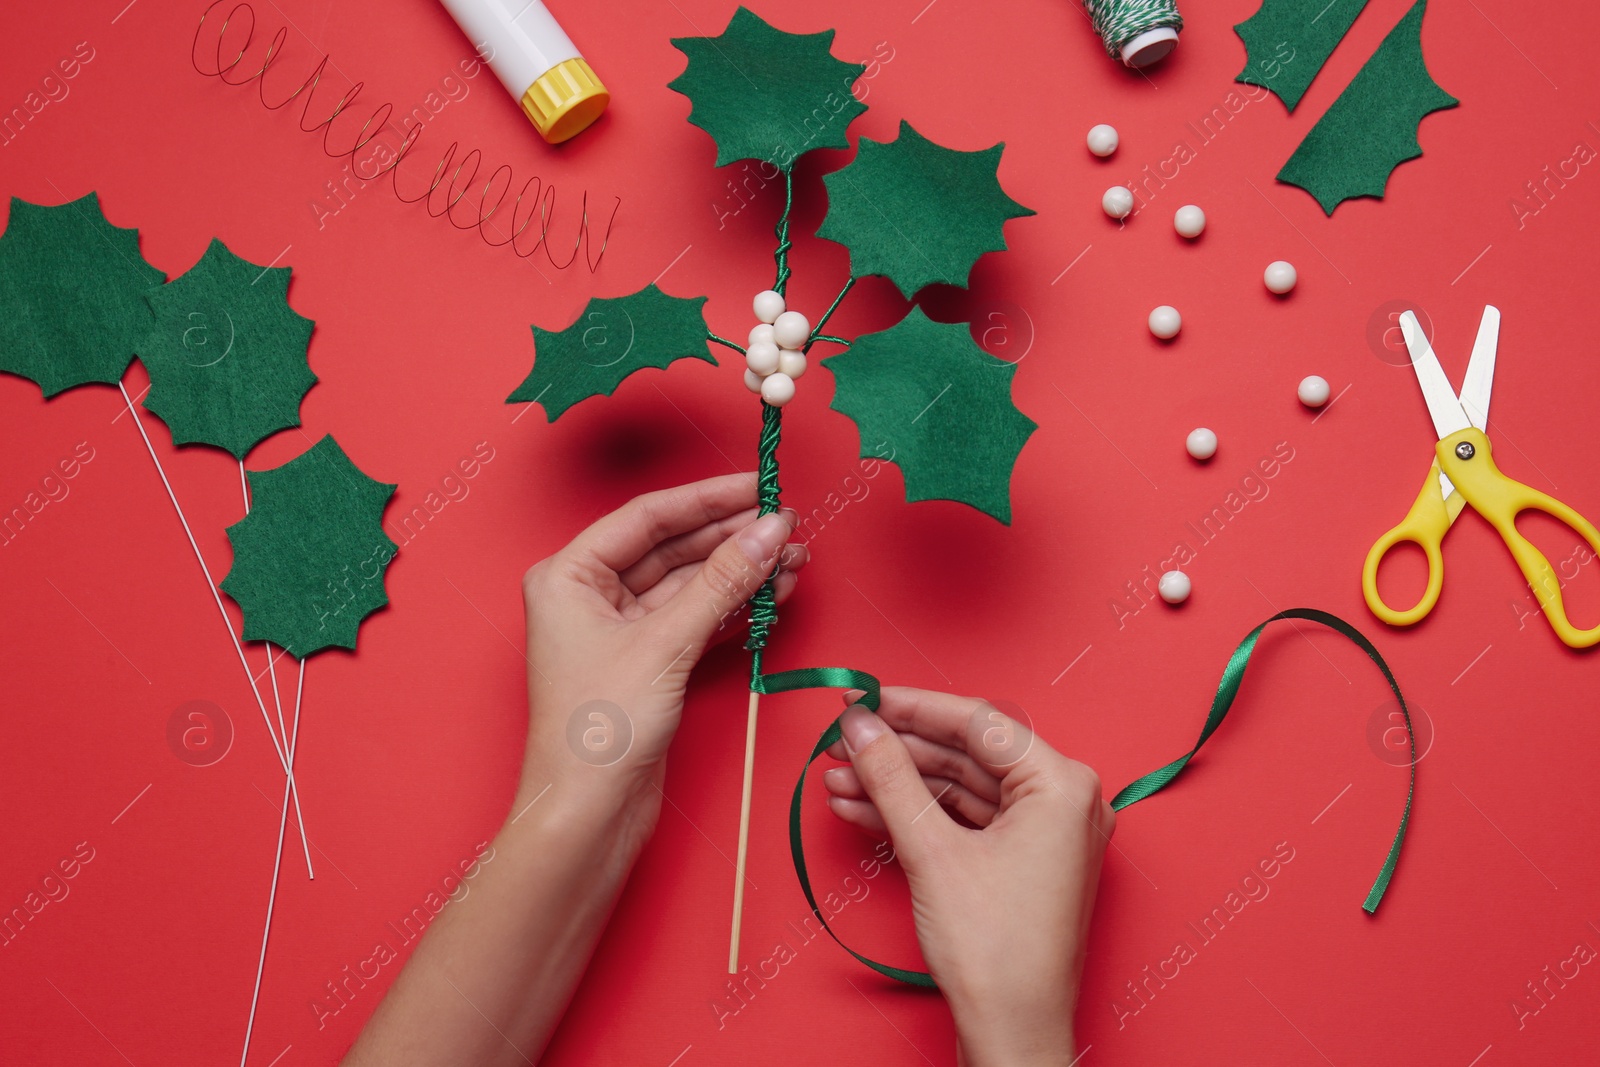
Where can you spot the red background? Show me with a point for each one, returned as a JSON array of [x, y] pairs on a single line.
[[411, 745]]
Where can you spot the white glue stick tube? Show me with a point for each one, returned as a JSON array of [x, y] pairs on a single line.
[[536, 61]]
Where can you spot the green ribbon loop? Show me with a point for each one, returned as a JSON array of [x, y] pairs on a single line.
[[1139, 789], [829, 678], [1228, 688]]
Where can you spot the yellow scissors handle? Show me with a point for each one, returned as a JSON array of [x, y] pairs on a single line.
[[1425, 526], [1465, 457]]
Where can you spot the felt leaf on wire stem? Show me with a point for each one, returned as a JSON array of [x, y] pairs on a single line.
[[309, 558], [613, 337], [765, 94], [71, 294], [916, 212], [226, 353], [924, 396], [1372, 128]]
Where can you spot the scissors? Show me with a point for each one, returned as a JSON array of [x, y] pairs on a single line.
[[1463, 473]]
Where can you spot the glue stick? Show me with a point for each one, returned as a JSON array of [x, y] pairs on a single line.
[[536, 61]]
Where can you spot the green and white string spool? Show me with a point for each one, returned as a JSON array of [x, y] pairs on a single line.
[[1138, 32]]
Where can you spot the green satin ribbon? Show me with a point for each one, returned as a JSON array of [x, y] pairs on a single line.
[[1139, 789]]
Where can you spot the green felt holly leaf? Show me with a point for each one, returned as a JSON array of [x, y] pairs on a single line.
[[309, 558], [917, 212], [765, 94], [925, 396], [614, 337], [1287, 42], [71, 294], [226, 353], [1372, 128]]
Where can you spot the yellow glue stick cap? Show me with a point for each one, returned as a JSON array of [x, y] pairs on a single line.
[[565, 100]]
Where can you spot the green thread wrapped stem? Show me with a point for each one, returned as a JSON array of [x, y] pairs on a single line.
[[763, 606], [724, 341], [816, 331], [826, 337], [781, 255], [1120, 21]]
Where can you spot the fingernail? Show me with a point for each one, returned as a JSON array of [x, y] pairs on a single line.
[[795, 556], [860, 728], [853, 696], [761, 539], [790, 516]]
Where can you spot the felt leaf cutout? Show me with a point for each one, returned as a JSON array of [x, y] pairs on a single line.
[[71, 294], [226, 353], [1372, 128], [1288, 41], [924, 395], [613, 337], [765, 94], [309, 558], [916, 212]]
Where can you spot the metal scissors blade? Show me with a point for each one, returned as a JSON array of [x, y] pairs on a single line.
[[1444, 407], [1479, 382]]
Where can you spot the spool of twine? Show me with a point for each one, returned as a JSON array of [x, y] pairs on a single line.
[[1138, 32]]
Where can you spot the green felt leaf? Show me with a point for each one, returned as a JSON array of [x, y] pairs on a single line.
[[924, 395], [71, 294], [1288, 41], [1372, 128], [916, 212], [614, 337], [226, 353], [309, 559], [765, 94]]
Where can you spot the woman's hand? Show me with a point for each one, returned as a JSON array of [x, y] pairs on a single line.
[[618, 618], [1002, 905]]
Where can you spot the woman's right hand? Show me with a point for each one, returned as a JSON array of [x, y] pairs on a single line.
[[1002, 906]]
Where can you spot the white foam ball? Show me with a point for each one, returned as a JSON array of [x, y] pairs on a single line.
[[791, 362], [752, 380], [1189, 221], [1280, 276], [1201, 443], [791, 330], [762, 357], [1102, 140], [777, 389], [1313, 391], [1117, 201], [1165, 322], [762, 332], [1174, 587], [768, 305]]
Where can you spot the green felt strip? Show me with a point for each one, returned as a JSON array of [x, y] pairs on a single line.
[[1288, 41], [226, 353], [613, 337], [1145, 786], [72, 291], [309, 558], [765, 94], [916, 212], [1372, 128], [924, 395]]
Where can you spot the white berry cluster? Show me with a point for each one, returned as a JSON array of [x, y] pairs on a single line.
[[774, 360]]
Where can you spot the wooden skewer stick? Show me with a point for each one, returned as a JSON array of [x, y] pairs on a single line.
[[744, 831]]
